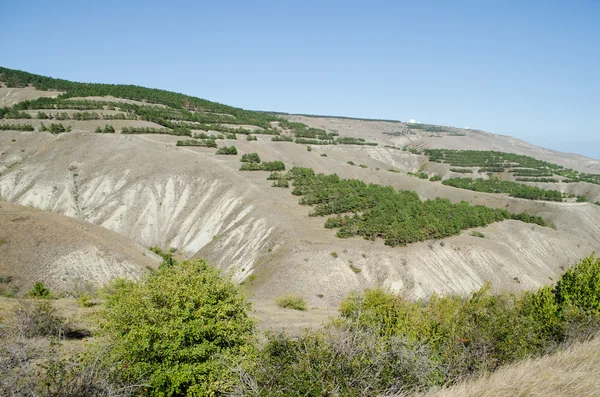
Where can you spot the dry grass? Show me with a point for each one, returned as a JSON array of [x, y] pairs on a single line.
[[574, 371]]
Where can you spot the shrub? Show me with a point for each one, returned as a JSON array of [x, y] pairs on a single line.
[[175, 326], [39, 290], [108, 129], [323, 154], [227, 150], [580, 286], [56, 128], [435, 178], [251, 138], [350, 162], [477, 234], [308, 149], [292, 302], [39, 318], [196, 142], [250, 158], [334, 254], [342, 359], [16, 127]]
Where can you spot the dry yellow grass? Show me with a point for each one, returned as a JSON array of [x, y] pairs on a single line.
[[571, 372]]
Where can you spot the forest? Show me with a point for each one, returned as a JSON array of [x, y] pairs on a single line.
[[399, 217]]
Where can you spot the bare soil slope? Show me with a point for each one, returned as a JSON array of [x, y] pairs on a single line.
[[62, 252]]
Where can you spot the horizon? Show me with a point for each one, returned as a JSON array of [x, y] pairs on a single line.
[[526, 71]]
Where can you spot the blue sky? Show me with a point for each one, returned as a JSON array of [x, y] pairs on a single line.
[[527, 69]]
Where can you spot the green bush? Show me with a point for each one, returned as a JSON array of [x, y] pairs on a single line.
[[39, 290], [339, 360], [57, 128], [175, 327], [16, 127], [477, 234], [292, 302], [250, 158], [197, 142], [251, 138], [435, 178], [580, 286], [227, 150], [484, 331]]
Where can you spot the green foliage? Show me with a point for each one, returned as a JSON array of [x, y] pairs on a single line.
[[493, 161], [39, 290], [16, 127], [353, 141], [323, 154], [580, 286], [251, 138], [15, 114], [250, 158], [334, 254], [597, 203], [227, 150], [540, 180], [399, 217], [108, 129], [426, 127], [281, 138], [57, 128], [148, 130], [355, 269], [435, 178], [265, 166], [272, 166], [308, 149], [175, 327], [498, 186], [581, 199], [290, 301], [462, 170], [477, 234], [350, 162], [483, 331], [304, 141], [340, 360], [420, 175], [198, 142]]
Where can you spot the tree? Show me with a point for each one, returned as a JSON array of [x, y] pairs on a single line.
[[175, 326]]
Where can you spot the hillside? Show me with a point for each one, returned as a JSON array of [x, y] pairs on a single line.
[[135, 180], [64, 253], [573, 371]]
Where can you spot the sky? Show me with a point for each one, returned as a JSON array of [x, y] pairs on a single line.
[[529, 69]]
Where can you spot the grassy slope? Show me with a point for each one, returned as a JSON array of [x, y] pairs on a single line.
[[574, 371]]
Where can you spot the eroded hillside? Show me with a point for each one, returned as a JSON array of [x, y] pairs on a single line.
[[148, 189]]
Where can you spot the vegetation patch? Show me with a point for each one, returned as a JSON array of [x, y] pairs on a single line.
[[16, 127], [399, 217], [198, 142], [291, 301], [495, 185], [227, 150]]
